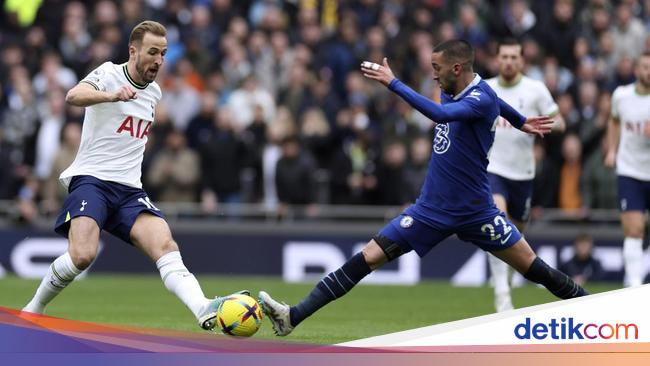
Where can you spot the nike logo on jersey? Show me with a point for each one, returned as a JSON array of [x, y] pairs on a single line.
[[505, 240], [138, 131]]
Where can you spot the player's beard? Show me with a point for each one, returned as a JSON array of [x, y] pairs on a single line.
[[645, 82], [143, 73], [509, 74]]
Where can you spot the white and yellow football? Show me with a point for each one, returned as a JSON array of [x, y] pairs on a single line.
[[239, 315]]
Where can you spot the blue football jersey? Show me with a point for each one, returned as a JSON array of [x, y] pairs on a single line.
[[457, 181]]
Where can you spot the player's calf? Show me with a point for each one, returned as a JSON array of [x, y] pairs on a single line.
[[59, 275]]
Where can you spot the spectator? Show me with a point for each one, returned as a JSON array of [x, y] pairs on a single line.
[[416, 170], [54, 192], [391, 176], [175, 171], [47, 140], [223, 156], [628, 33], [598, 182], [183, 102], [294, 174], [569, 188], [244, 101], [53, 75], [583, 267], [200, 128]]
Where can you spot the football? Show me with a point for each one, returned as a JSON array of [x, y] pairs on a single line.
[[239, 315]]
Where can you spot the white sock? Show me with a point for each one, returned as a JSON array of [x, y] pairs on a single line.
[[633, 256], [499, 271], [181, 282], [61, 272]]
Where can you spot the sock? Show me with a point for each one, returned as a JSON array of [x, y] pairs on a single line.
[[181, 282], [555, 281], [61, 272], [633, 257], [331, 287], [499, 269]]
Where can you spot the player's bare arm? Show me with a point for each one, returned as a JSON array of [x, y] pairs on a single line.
[[84, 95], [613, 136]]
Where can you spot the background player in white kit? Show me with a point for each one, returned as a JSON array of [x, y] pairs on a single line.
[[629, 150], [105, 192], [512, 165]]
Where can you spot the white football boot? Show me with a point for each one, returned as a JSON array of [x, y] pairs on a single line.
[[208, 314], [278, 314]]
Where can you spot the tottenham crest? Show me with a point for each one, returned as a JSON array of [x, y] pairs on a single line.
[[406, 222]]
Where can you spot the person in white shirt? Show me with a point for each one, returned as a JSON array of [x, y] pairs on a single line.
[[105, 191], [629, 150], [512, 165]]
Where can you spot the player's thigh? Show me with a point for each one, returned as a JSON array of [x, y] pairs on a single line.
[[633, 223], [83, 238], [500, 201], [520, 194], [405, 233], [82, 217], [152, 236], [519, 256]]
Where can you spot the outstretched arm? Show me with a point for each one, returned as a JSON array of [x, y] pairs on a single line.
[[434, 111], [85, 94], [540, 126]]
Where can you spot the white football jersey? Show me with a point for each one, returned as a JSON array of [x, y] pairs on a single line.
[[512, 152], [632, 110], [114, 134]]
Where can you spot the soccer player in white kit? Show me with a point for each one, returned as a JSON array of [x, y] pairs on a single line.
[[629, 150], [105, 192], [512, 166]]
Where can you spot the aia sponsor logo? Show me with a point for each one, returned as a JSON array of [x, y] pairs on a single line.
[[138, 129]]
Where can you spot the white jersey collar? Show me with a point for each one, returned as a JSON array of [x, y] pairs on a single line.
[[475, 81]]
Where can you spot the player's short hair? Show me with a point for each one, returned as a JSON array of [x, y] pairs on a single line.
[[148, 26], [510, 42], [457, 51]]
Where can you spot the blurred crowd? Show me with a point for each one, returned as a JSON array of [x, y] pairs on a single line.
[[263, 101]]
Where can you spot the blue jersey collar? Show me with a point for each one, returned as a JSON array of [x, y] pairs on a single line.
[[477, 79]]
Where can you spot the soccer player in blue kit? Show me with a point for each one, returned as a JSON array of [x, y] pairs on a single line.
[[455, 197]]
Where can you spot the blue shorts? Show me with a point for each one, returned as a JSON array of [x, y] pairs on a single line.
[[518, 194], [490, 230], [113, 206], [633, 194]]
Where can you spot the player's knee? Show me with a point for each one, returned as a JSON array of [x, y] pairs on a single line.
[[381, 250], [634, 231], [168, 245], [82, 257], [373, 258]]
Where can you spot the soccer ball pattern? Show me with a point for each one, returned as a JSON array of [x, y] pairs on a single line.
[[239, 315]]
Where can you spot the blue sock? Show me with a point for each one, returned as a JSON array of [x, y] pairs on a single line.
[[331, 287]]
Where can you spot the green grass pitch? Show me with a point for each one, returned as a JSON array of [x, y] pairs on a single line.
[[369, 310]]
